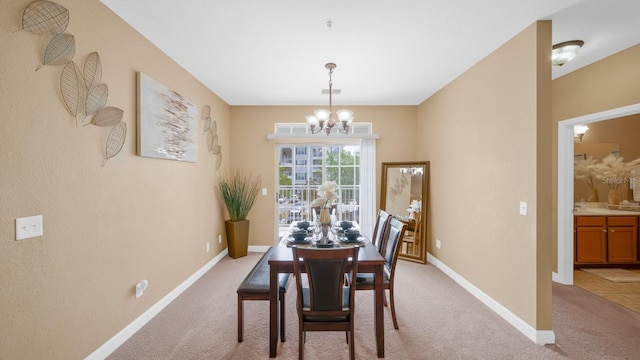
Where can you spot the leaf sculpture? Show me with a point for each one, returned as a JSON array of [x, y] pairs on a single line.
[[92, 70], [207, 123], [212, 141], [45, 17], [115, 140], [107, 116], [74, 92], [219, 161], [96, 98], [206, 112], [59, 51]]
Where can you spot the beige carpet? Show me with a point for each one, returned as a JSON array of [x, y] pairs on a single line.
[[615, 275], [438, 320]]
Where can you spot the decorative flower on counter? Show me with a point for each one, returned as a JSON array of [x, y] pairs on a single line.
[[586, 169], [327, 193], [613, 171]]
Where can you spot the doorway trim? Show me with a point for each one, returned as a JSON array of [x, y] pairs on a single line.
[[565, 185]]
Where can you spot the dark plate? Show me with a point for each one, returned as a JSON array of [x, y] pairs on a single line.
[[359, 240], [306, 240], [329, 244]]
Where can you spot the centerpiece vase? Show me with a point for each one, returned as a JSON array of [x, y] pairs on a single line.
[[593, 195], [325, 224], [613, 197]]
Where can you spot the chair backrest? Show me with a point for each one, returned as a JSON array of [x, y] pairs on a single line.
[[379, 230], [392, 248], [325, 269]]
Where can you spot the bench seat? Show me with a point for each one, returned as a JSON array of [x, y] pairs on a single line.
[[256, 287]]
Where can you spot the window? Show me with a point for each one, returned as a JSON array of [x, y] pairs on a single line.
[[312, 166]]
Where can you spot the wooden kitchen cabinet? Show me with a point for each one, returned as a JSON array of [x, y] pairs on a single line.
[[590, 240], [622, 239], [606, 240]]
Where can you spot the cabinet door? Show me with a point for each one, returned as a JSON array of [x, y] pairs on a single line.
[[622, 244], [591, 245]]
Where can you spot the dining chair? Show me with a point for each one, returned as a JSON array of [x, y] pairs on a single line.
[[382, 222], [396, 229], [325, 302]]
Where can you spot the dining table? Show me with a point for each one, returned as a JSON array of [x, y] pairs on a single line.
[[369, 261]]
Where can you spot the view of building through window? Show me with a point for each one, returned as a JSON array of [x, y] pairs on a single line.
[[302, 168]]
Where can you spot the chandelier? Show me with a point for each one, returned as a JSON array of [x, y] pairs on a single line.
[[321, 120]]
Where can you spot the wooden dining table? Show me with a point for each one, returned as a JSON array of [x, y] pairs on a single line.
[[369, 261]]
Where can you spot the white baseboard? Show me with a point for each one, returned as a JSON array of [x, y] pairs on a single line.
[[540, 337], [112, 344]]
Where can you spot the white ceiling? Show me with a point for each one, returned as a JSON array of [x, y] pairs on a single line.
[[388, 52]]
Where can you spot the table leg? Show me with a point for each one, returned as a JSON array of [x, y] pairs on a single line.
[[379, 311], [273, 311]]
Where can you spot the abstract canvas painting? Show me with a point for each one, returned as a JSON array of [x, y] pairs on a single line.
[[167, 123]]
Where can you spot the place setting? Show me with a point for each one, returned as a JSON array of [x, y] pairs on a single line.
[[343, 233]]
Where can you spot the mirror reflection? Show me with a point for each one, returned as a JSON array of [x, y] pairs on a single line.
[[404, 195]]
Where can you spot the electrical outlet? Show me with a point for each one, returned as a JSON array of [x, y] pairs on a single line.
[[264, 191], [219, 238], [208, 246], [28, 227], [141, 287], [438, 243]]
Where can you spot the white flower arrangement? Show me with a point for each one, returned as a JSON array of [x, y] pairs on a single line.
[[586, 169], [613, 171], [327, 193], [414, 207]]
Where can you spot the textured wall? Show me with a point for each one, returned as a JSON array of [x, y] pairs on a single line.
[[485, 135], [105, 227]]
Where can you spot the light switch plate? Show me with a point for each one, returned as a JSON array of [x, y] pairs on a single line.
[[28, 227], [523, 208]]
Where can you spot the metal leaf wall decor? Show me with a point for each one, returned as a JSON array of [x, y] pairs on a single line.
[[211, 131], [45, 17], [115, 140], [74, 92], [107, 116], [92, 70], [96, 98], [59, 51], [82, 92], [206, 116]]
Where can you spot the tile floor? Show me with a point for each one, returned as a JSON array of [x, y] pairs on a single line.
[[625, 294]]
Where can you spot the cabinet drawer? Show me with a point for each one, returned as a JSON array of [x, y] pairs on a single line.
[[622, 220], [591, 220]]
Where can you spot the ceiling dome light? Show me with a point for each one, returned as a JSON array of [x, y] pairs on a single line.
[[564, 52]]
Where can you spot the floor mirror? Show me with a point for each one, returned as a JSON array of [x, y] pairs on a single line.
[[404, 194]]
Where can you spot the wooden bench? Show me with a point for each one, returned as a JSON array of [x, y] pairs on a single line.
[[256, 287]]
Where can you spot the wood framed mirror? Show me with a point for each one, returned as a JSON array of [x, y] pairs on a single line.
[[404, 194]]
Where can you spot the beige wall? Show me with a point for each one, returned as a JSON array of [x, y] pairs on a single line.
[[251, 149], [487, 135], [105, 227]]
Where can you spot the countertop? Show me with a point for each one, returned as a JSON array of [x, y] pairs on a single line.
[[605, 212]]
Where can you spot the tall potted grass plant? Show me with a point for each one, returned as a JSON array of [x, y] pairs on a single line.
[[239, 190]]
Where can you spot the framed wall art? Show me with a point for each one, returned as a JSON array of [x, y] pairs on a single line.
[[167, 123]]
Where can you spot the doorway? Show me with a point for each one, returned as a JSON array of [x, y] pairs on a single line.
[[564, 275]]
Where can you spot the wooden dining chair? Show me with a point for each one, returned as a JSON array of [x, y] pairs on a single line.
[[326, 304], [382, 222], [390, 254]]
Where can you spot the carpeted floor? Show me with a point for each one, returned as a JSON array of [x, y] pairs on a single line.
[[438, 320]]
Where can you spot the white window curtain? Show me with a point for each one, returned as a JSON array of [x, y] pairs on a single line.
[[367, 185]]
